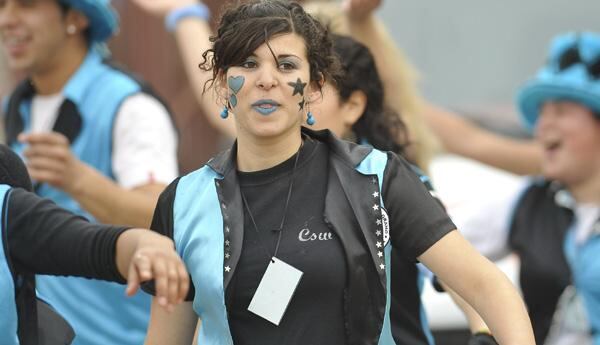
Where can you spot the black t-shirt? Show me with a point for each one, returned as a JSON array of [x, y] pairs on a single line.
[[43, 238], [417, 221], [537, 235], [315, 314]]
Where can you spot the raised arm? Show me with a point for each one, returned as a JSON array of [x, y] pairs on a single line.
[[461, 136], [192, 33], [355, 19], [427, 123]]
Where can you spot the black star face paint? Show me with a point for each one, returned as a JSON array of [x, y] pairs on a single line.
[[235, 84], [298, 87], [301, 104]]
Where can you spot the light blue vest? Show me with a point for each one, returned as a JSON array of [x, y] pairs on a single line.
[[98, 311], [199, 240], [585, 266], [8, 308]]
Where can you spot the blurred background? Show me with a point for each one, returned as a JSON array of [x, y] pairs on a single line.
[[472, 56]]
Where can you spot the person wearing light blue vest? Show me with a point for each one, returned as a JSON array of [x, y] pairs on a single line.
[[562, 105], [37, 236], [95, 140], [287, 235], [552, 222]]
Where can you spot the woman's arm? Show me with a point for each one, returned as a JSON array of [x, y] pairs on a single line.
[[456, 134], [46, 239], [192, 34], [174, 328], [399, 78], [483, 286], [460, 136]]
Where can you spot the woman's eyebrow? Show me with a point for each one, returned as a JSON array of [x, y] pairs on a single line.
[[283, 56]]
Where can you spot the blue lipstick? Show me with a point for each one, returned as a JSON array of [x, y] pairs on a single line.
[[265, 106]]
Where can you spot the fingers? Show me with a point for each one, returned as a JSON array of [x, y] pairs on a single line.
[[164, 266], [161, 282], [49, 160], [184, 281], [133, 281], [44, 169], [47, 138]]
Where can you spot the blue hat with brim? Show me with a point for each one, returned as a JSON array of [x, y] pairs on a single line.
[[102, 16], [571, 74]]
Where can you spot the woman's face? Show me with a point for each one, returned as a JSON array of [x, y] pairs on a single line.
[[327, 111], [570, 137], [268, 93]]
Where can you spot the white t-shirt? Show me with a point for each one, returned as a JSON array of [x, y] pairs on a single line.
[[480, 200], [145, 141], [586, 221]]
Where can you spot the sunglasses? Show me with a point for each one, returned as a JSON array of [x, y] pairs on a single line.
[[572, 56]]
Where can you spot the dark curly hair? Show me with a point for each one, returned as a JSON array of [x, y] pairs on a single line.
[[379, 126], [244, 28]]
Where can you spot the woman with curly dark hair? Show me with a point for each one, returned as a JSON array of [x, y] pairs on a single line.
[[353, 107], [292, 235]]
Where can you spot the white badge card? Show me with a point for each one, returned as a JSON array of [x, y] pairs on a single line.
[[275, 291]]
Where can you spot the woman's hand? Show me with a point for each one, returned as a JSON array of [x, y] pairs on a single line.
[[360, 9], [143, 255]]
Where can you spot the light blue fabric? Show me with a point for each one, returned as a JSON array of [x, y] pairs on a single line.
[[374, 164], [99, 312], [585, 266], [103, 18], [572, 83], [198, 237], [8, 308]]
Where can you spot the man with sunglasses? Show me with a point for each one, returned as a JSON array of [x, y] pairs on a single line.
[[95, 141]]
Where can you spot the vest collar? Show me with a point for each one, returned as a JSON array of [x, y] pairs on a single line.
[[349, 153]]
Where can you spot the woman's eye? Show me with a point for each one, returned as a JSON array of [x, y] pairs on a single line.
[[248, 64], [285, 65]]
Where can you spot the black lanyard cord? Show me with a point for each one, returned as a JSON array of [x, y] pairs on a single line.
[[287, 202]]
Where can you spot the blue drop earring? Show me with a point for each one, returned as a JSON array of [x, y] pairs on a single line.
[[310, 119], [224, 113]]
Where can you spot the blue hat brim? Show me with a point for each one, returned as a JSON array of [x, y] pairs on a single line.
[[535, 93], [103, 19]]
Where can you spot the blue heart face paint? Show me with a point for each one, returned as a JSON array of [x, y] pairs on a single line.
[[233, 101], [235, 83]]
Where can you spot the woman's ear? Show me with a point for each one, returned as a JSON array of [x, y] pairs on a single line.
[[76, 19], [354, 108], [314, 90]]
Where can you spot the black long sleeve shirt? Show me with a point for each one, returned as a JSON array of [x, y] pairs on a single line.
[[42, 238]]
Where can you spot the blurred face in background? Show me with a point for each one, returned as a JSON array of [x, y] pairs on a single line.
[[570, 136], [335, 114], [33, 34]]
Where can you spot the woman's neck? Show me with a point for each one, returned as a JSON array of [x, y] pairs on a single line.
[[255, 155]]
